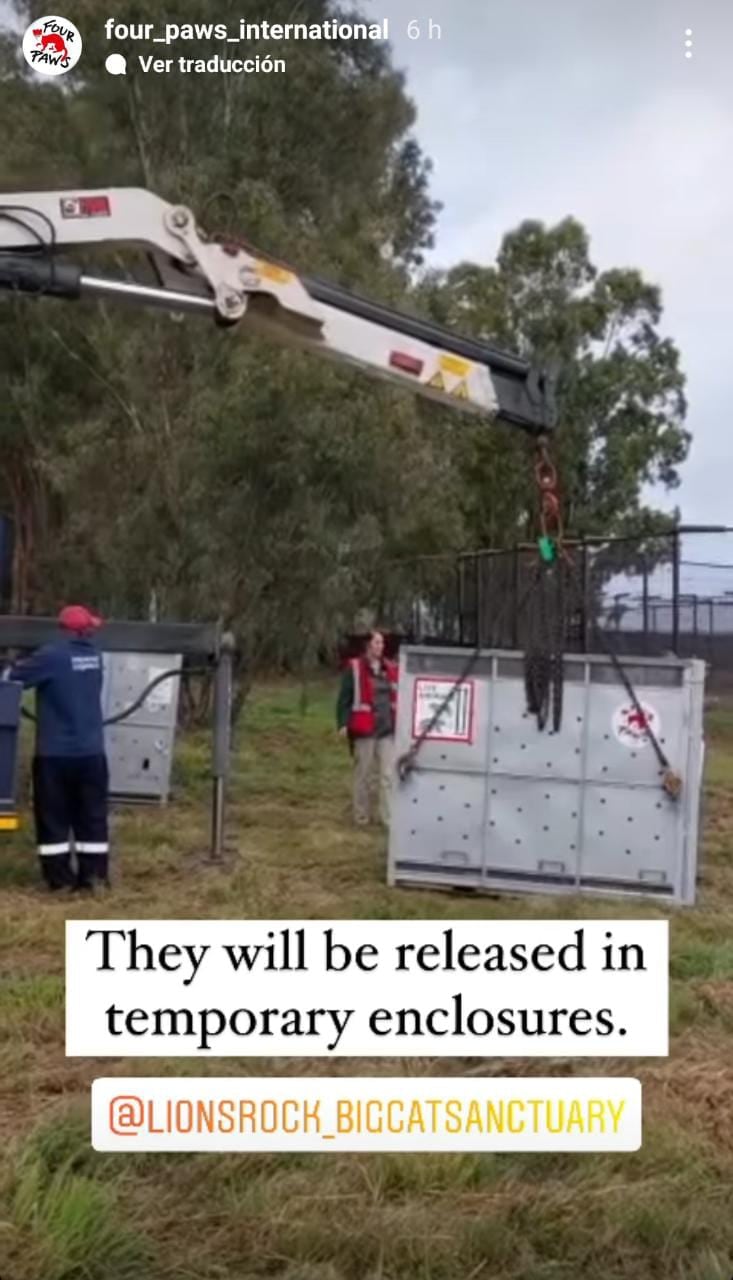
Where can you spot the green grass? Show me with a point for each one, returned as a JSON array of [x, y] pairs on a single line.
[[69, 1213]]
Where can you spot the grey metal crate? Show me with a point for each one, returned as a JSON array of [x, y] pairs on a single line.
[[495, 804], [140, 749]]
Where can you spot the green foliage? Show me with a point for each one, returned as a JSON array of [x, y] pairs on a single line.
[[211, 471], [156, 464], [621, 405], [62, 1218]]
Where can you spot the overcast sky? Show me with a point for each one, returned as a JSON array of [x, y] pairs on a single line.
[[543, 108]]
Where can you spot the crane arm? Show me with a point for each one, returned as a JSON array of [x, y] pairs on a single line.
[[233, 283]]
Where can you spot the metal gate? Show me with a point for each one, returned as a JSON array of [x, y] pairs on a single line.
[[140, 748], [495, 804]]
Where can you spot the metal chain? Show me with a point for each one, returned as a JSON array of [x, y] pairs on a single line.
[[536, 657], [544, 659], [545, 668], [544, 653], [551, 525]]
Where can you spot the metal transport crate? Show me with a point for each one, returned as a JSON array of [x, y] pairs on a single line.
[[494, 804], [140, 748]]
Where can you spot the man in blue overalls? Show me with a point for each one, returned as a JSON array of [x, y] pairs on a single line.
[[70, 773]]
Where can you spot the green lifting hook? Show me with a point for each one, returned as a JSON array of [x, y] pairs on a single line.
[[548, 549]]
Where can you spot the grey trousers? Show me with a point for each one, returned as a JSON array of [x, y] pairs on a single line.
[[372, 756]]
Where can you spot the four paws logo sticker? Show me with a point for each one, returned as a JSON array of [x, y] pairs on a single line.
[[632, 725], [52, 46]]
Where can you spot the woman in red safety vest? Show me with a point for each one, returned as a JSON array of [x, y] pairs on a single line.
[[366, 714]]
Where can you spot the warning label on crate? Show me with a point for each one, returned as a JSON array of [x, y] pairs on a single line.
[[449, 707], [631, 724]]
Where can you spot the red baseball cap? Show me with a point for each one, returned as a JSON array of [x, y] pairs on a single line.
[[77, 618]]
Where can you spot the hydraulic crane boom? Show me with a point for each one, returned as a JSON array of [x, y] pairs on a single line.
[[232, 282]]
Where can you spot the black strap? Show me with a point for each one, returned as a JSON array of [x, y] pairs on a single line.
[[544, 663], [671, 780], [406, 762]]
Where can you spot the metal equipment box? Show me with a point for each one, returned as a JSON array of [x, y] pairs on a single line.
[[140, 748], [495, 804], [11, 695]]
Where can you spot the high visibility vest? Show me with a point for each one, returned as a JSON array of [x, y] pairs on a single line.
[[362, 721]]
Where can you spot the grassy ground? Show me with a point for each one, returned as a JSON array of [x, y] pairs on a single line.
[[67, 1213]]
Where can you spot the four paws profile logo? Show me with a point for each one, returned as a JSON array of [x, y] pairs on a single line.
[[52, 46]]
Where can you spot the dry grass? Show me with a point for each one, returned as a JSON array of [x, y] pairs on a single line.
[[68, 1213]]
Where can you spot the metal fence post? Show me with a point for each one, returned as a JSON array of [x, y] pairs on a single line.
[[515, 592], [645, 602], [585, 616], [675, 591], [222, 743], [478, 601]]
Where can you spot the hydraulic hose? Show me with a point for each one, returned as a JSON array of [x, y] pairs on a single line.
[[123, 715]]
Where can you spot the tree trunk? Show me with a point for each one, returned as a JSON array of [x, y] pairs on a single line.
[[240, 694], [22, 550], [196, 699]]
